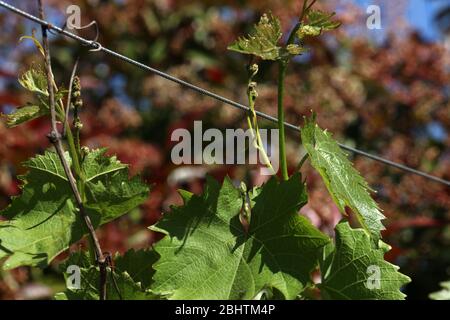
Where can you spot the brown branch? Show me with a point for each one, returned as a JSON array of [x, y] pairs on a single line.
[[55, 139]]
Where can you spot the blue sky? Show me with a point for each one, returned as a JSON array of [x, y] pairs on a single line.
[[420, 14]]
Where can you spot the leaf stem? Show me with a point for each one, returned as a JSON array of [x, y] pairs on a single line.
[[72, 150], [302, 162], [282, 66]]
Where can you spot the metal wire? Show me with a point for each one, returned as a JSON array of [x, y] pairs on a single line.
[[96, 46]]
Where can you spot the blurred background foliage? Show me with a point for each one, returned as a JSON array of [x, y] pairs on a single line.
[[385, 92]]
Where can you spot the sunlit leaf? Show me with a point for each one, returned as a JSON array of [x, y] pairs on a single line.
[[354, 270], [43, 221], [35, 81], [208, 254], [344, 183], [24, 114], [263, 42], [317, 22]]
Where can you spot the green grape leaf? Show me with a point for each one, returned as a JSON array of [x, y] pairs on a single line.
[[295, 49], [24, 114], [318, 22], [97, 164], [263, 42], [344, 183], [44, 221], [208, 254], [353, 269], [35, 81], [138, 264], [443, 294], [119, 285]]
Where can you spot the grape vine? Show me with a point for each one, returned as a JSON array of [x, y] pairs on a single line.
[[228, 242]]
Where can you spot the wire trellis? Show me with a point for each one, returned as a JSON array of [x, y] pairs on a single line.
[[96, 46]]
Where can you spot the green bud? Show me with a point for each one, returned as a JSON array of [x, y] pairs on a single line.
[[77, 102], [78, 125], [253, 70], [85, 150]]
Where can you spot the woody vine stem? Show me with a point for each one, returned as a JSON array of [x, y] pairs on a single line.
[[282, 67], [55, 138]]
